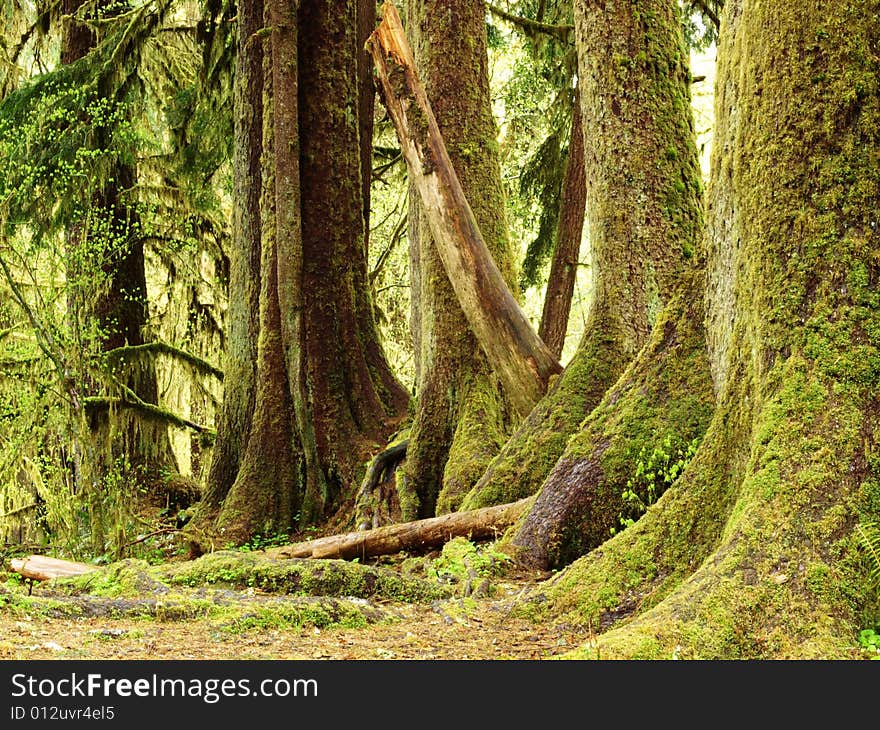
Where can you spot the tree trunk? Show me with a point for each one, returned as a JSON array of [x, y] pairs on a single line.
[[366, 23], [643, 210], [242, 318], [270, 485], [322, 393], [515, 352], [421, 535], [355, 398], [563, 269], [753, 552], [462, 417]]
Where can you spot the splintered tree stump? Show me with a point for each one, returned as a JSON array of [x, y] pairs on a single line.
[[512, 347], [417, 536], [40, 567]]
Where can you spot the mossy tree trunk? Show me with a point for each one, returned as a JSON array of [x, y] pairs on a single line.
[[270, 483], [321, 395], [242, 318], [356, 399], [753, 551], [462, 417], [643, 214]]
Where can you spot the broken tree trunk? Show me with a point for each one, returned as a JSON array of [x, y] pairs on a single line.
[[40, 567], [512, 347], [481, 524]]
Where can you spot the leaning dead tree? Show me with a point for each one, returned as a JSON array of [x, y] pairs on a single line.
[[512, 347]]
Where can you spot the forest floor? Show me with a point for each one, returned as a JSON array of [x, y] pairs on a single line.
[[455, 628]]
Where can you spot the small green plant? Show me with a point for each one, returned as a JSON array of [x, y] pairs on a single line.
[[869, 640], [656, 470], [261, 542], [461, 559]]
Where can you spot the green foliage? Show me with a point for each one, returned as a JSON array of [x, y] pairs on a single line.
[[461, 559], [869, 536], [656, 469], [262, 542], [869, 640]]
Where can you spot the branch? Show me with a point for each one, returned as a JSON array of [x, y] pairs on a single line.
[[163, 348], [419, 536], [704, 8], [130, 400], [561, 32]]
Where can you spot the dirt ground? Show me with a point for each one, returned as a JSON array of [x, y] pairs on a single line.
[[486, 630]]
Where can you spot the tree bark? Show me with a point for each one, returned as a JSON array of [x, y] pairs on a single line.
[[513, 349], [644, 215], [366, 23], [270, 485], [753, 551], [418, 536], [356, 400], [242, 318], [563, 269]]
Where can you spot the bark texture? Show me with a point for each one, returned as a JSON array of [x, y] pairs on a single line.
[[643, 212], [514, 351], [320, 395], [563, 268], [753, 552], [269, 485], [242, 317], [355, 398], [418, 536], [462, 418]]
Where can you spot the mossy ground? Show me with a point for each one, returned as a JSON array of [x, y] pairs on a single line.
[[140, 611]]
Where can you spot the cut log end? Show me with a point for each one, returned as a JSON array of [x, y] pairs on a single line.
[[41, 567]]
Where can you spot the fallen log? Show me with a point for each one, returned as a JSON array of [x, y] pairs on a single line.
[[41, 567], [513, 349], [418, 536]]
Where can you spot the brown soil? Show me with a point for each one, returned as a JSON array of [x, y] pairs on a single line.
[[479, 629]]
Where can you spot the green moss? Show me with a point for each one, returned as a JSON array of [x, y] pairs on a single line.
[[301, 577]]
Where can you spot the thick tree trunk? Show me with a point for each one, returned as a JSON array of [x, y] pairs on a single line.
[[242, 319], [753, 552], [644, 215], [322, 393], [269, 487], [563, 269], [355, 398]]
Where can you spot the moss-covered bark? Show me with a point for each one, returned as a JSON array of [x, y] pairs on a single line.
[[269, 487], [242, 318], [355, 398], [643, 214], [458, 395], [753, 553], [661, 405]]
